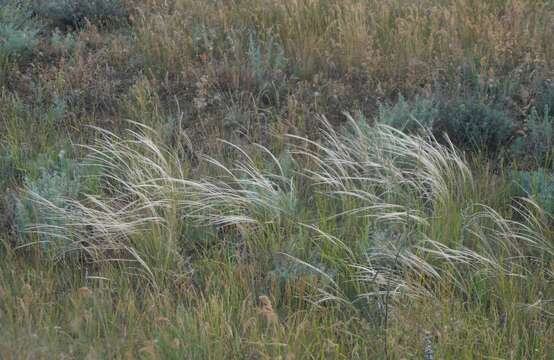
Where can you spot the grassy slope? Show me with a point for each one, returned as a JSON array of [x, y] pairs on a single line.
[[162, 252]]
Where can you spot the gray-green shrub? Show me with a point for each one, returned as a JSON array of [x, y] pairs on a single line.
[[63, 42], [538, 184], [409, 116], [471, 124], [545, 99], [59, 179], [18, 35], [537, 146]]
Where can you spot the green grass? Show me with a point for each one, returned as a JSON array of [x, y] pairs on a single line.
[[277, 180]]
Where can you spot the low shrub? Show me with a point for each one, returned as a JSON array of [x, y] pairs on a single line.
[[15, 40], [63, 43], [544, 101], [65, 13], [58, 180], [409, 116], [475, 125], [18, 36], [538, 185], [537, 146]]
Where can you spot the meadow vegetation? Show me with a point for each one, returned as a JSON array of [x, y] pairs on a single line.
[[263, 179]]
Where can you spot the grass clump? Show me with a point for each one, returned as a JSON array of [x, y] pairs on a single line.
[[133, 213], [222, 203], [392, 218]]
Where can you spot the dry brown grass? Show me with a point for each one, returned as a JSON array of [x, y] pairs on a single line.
[[393, 44]]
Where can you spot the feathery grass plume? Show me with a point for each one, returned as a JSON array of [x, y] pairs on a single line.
[[387, 170], [247, 193], [526, 237], [136, 218], [412, 265], [402, 185], [408, 184], [148, 196]]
